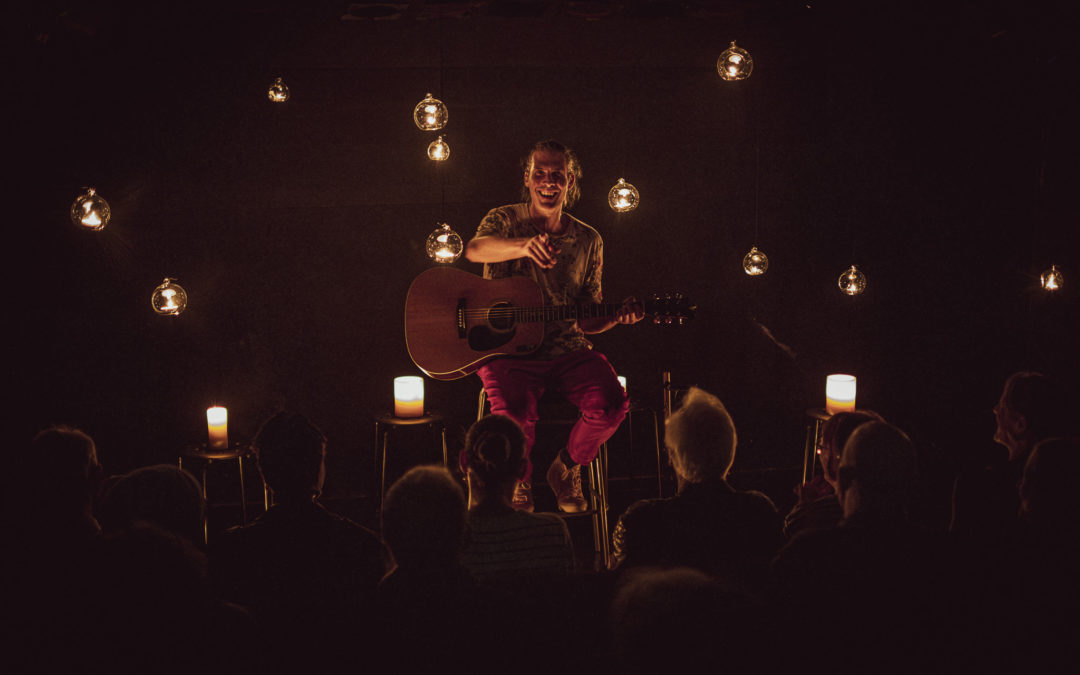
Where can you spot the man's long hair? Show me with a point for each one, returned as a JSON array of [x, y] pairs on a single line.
[[573, 167]]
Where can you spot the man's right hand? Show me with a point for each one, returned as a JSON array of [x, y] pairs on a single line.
[[541, 251]]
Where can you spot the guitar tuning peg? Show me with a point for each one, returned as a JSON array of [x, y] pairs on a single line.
[[656, 320]]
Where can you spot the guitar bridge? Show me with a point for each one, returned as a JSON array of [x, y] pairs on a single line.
[[461, 318]]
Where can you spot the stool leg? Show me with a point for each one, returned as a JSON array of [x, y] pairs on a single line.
[[206, 507], [594, 507], [243, 493], [382, 477], [605, 528]]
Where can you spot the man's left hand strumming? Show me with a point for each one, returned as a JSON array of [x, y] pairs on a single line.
[[631, 312]]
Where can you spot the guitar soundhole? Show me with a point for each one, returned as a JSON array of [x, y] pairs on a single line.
[[501, 316]]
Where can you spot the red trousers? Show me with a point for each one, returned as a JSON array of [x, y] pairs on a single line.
[[585, 378]]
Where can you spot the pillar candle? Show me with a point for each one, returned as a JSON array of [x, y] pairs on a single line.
[[409, 396], [839, 393], [217, 427]]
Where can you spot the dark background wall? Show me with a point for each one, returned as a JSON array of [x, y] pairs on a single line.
[[931, 145]]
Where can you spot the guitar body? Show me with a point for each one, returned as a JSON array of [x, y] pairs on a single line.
[[455, 321]]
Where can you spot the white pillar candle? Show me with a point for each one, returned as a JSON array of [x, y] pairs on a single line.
[[839, 393], [409, 396], [217, 425]]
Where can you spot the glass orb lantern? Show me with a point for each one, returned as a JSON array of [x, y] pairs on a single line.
[[169, 298], [444, 245], [755, 263], [438, 150], [734, 63], [1051, 279], [90, 211], [278, 92], [430, 114], [623, 197], [852, 281]]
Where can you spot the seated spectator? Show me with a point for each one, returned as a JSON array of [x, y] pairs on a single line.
[[429, 605], [50, 538], [708, 525], [1032, 407], [307, 575], [152, 606], [875, 581], [51, 489], [1041, 567], [818, 506], [505, 546], [164, 494], [681, 620]]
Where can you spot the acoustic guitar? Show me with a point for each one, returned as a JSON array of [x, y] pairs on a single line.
[[455, 321]]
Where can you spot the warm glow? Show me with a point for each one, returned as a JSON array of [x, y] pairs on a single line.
[[409, 396], [89, 211], [169, 298], [755, 262], [734, 63], [438, 150], [430, 114], [217, 426], [444, 245], [278, 92], [1051, 279], [623, 197], [839, 393], [622, 381], [852, 281]]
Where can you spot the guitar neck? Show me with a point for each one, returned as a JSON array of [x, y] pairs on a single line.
[[564, 312]]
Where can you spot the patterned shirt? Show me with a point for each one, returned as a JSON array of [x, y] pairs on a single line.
[[517, 543], [575, 277]]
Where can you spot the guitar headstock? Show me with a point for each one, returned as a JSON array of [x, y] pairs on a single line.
[[671, 309]]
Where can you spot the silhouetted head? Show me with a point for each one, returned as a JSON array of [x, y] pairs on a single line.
[[1048, 488], [494, 451], [877, 471], [164, 495], [292, 453], [424, 518], [60, 473], [567, 183], [700, 437], [1032, 407], [834, 434]]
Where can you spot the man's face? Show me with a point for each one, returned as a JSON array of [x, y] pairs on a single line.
[[1009, 425], [548, 180]]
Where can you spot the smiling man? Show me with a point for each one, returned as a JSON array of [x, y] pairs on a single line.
[[539, 240]]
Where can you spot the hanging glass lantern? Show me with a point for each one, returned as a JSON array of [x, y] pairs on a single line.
[[438, 150], [1051, 279], [90, 211], [444, 245], [852, 281], [430, 114], [278, 92], [169, 298], [755, 262], [623, 197], [734, 63]]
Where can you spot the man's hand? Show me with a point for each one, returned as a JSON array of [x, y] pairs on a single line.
[[630, 312], [541, 251]]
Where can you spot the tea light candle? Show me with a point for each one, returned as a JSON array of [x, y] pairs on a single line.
[[409, 396], [839, 393], [217, 426]]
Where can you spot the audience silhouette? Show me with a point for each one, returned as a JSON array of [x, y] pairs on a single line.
[[708, 525]]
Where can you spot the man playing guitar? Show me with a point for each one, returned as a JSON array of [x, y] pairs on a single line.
[[537, 239]]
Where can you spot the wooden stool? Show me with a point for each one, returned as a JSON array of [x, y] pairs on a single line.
[[234, 452]]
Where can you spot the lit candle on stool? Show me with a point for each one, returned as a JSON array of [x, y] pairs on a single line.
[[839, 393], [217, 426], [409, 396]]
